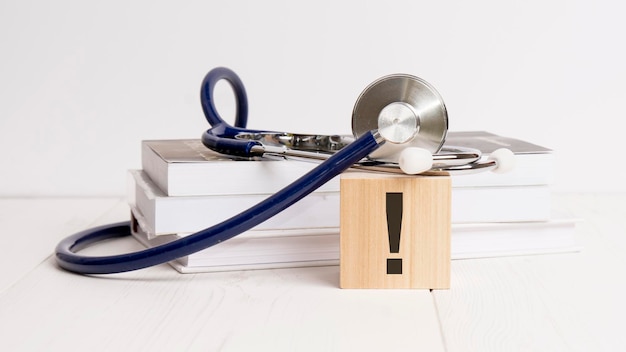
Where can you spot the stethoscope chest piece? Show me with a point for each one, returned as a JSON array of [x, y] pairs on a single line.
[[406, 111]]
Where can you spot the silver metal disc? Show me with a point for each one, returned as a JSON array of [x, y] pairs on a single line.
[[406, 111]]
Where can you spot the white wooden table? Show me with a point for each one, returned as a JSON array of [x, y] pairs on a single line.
[[564, 302]]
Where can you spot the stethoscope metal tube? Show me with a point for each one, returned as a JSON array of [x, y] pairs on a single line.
[[449, 159]]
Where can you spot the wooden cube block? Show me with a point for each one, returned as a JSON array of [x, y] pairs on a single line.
[[395, 231]]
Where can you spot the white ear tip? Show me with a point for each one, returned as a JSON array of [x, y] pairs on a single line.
[[504, 158], [414, 160]]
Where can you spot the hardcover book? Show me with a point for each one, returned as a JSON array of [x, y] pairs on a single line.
[[187, 168], [265, 249], [165, 214]]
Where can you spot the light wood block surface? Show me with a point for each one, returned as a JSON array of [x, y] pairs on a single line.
[[395, 231]]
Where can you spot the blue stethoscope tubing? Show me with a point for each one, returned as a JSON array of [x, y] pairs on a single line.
[[221, 136], [66, 251]]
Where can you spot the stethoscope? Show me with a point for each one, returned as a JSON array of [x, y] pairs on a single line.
[[399, 124]]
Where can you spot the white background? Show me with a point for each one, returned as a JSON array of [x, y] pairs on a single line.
[[83, 82]]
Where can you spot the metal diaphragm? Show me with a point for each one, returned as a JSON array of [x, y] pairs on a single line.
[[406, 111]]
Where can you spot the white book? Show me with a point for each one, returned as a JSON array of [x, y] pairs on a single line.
[[167, 215], [188, 168], [317, 247]]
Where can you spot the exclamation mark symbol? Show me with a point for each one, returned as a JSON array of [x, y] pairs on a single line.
[[394, 225]]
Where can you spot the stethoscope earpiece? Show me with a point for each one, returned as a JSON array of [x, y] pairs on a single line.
[[505, 160], [413, 160]]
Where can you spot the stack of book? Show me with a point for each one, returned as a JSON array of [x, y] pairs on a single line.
[[184, 187]]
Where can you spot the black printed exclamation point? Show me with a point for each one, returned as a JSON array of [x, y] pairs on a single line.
[[394, 225]]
